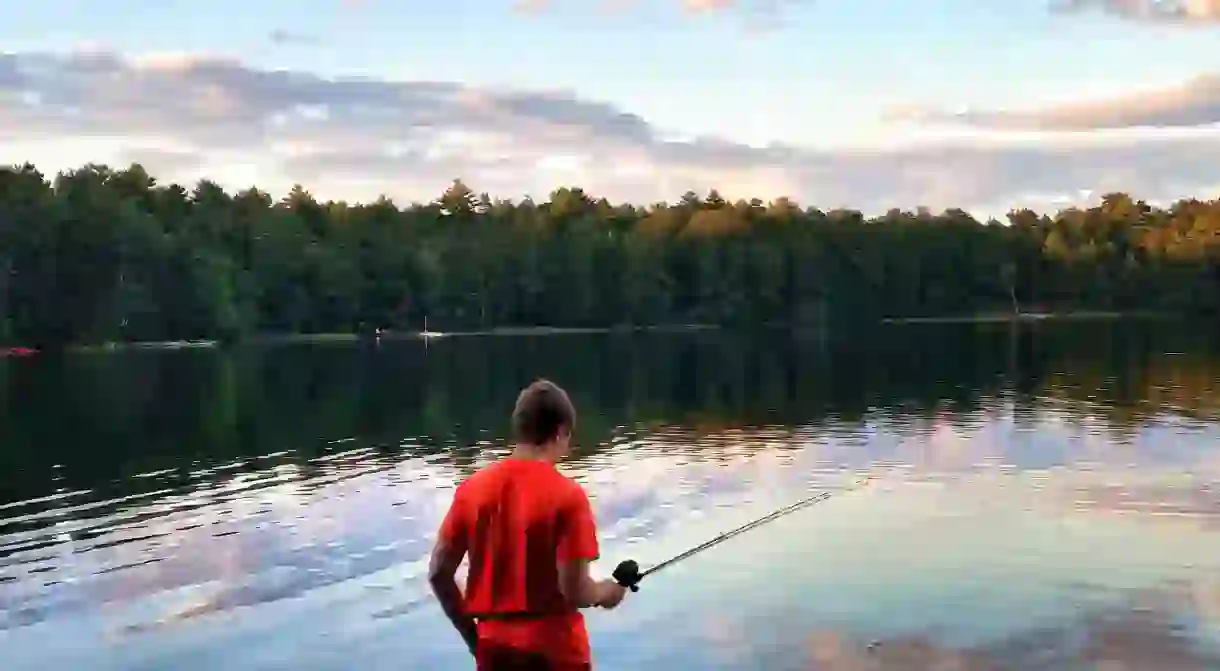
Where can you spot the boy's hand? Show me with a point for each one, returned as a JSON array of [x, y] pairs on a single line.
[[612, 594], [470, 634]]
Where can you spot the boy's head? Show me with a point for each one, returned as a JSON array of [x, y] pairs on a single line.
[[544, 418]]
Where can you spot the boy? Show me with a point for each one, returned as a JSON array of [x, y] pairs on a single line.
[[530, 534]]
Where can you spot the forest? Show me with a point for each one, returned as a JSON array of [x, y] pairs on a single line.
[[98, 255]]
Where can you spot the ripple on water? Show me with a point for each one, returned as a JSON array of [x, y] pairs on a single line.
[[958, 531]]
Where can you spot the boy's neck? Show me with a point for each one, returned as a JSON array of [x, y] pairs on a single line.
[[533, 453]]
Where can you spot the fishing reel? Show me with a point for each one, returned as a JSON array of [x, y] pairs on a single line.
[[627, 574]]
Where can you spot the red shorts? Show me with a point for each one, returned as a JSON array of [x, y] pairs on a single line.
[[492, 657]]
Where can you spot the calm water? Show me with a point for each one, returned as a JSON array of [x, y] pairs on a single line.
[[1044, 499]]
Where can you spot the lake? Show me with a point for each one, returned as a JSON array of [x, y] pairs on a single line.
[[1043, 497]]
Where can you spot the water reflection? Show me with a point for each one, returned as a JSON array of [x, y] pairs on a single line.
[[1047, 490], [1132, 638]]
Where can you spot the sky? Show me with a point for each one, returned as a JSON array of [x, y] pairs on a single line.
[[870, 104]]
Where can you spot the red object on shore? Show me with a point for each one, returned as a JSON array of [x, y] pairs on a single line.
[[17, 351]]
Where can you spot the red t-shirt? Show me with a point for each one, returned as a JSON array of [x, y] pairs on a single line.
[[517, 519]]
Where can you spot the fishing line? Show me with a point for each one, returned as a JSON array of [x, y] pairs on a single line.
[[628, 573]]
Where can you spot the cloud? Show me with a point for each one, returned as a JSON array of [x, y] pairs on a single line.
[[191, 116], [287, 37], [170, 160], [1164, 11], [693, 7], [1195, 103], [531, 6], [708, 5]]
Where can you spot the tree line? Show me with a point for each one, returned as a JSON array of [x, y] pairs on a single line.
[[103, 255]]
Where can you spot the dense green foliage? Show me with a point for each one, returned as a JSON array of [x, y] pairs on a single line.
[[102, 255]]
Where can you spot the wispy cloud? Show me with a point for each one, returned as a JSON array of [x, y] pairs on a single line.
[[694, 7], [286, 37], [357, 138], [1176, 11], [1195, 103]]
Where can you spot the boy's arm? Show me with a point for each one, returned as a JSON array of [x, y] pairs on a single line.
[[578, 547], [447, 555]]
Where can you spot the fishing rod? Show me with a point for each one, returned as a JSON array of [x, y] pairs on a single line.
[[628, 574]]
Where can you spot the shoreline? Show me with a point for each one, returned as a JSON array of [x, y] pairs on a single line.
[[388, 336], [527, 331], [1031, 317]]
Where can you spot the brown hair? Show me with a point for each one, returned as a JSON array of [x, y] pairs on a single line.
[[543, 409]]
